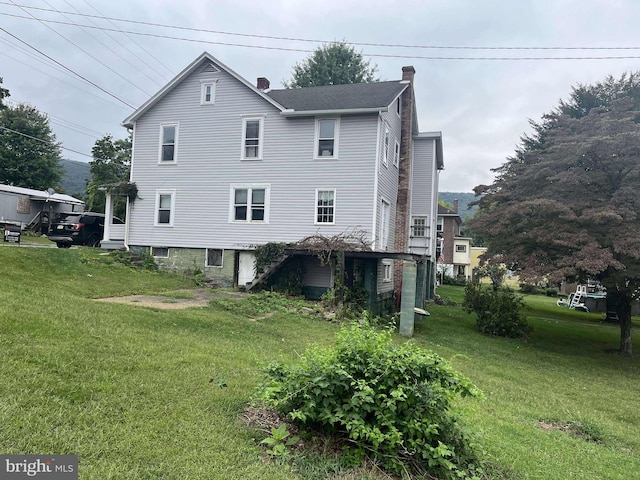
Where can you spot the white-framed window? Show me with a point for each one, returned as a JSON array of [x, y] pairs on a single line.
[[214, 257], [208, 92], [461, 248], [160, 252], [165, 207], [252, 133], [439, 224], [386, 144], [327, 137], [385, 215], [399, 106], [168, 143], [396, 154], [419, 226], [387, 271], [325, 206], [249, 204]]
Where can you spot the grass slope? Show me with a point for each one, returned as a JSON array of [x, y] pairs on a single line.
[[128, 388]]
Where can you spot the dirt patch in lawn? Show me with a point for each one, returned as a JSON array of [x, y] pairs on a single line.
[[175, 300]]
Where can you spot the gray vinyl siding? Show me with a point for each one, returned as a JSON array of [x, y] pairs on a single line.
[[208, 162], [424, 185], [387, 175]]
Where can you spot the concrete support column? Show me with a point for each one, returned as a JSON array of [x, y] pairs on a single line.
[[108, 216]]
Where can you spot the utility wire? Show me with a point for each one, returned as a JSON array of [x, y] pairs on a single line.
[[85, 52], [69, 70], [140, 46], [379, 55], [309, 40], [45, 141]]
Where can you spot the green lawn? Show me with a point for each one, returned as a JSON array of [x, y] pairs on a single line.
[[128, 388]]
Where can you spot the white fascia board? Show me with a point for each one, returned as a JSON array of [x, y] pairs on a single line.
[[346, 111]]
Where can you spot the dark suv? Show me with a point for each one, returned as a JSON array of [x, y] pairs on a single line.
[[78, 229]]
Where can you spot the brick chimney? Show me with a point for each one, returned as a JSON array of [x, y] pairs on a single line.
[[408, 73], [403, 205], [455, 205], [263, 83]]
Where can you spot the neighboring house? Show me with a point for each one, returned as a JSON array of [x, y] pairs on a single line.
[[455, 248], [32, 208], [222, 165], [510, 279]]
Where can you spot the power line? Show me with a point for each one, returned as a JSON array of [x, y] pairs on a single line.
[[309, 40], [70, 70], [379, 55], [139, 45], [44, 141], [55, 67], [87, 53]]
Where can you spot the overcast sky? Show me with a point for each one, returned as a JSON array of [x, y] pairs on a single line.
[[481, 106]]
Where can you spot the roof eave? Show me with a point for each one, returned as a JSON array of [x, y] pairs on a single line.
[[437, 136], [344, 111]]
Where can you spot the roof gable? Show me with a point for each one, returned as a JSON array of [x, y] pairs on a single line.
[[204, 63]]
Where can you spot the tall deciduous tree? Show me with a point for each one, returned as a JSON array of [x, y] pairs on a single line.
[[29, 153], [110, 165], [4, 93], [567, 205], [335, 63]]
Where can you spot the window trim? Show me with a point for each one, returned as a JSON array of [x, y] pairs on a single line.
[[203, 88], [176, 125], [440, 224], [206, 258], [424, 227], [460, 248], [250, 187], [172, 211], [386, 144], [385, 224], [336, 135], [243, 145], [315, 214], [399, 107], [387, 264], [396, 153], [152, 252]]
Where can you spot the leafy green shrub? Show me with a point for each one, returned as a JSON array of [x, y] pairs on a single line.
[[499, 311], [390, 401], [529, 289], [457, 281], [551, 292]]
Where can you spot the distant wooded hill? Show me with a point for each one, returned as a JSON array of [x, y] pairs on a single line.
[[75, 177], [464, 199]]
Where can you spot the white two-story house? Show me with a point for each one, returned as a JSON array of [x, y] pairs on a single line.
[[222, 165]]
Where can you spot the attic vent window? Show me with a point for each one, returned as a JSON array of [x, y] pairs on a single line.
[[209, 68], [208, 92]]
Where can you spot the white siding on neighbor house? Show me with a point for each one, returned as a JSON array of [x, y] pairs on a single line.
[[387, 176], [209, 161], [384, 286], [424, 191]]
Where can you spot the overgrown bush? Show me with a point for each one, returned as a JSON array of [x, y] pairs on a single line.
[[530, 289], [391, 402], [457, 281], [499, 312]]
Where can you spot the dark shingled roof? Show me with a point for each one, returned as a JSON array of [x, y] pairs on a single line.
[[339, 97]]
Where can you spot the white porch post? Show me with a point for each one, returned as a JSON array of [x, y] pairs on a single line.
[[108, 216]]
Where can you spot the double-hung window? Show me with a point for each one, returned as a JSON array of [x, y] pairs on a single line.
[[386, 144], [383, 232], [252, 129], [327, 138], [419, 226], [325, 207], [168, 143], [208, 92], [396, 154], [250, 204], [165, 207]]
